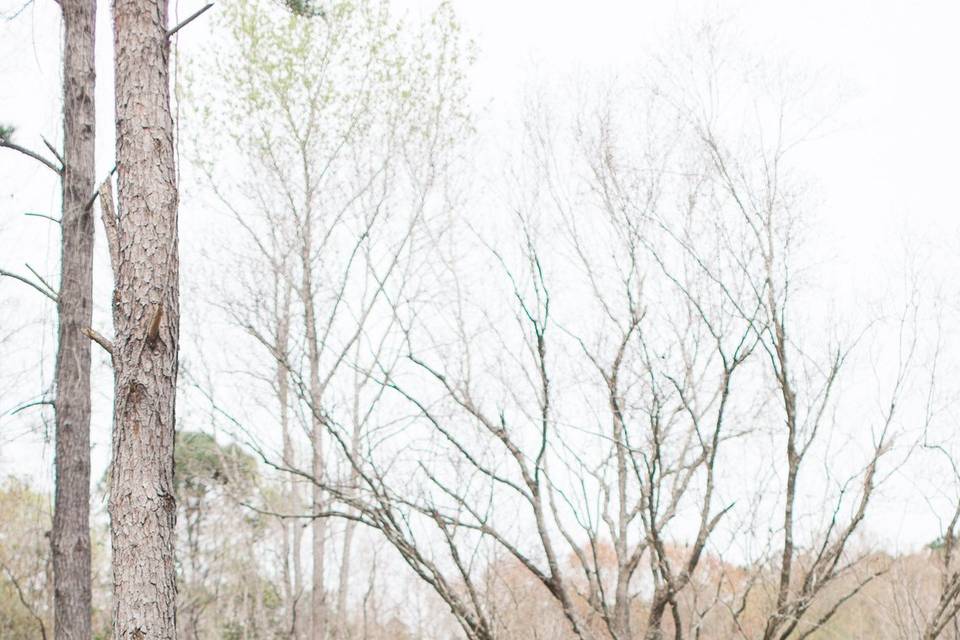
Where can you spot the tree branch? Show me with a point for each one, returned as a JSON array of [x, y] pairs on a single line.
[[33, 284], [193, 17], [99, 339], [56, 154], [40, 278], [35, 403], [34, 214], [93, 198], [31, 154], [23, 600]]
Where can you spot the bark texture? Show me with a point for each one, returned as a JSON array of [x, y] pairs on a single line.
[[70, 537], [146, 321]]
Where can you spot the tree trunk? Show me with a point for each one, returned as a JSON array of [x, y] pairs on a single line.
[[292, 531], [318, 526], [70, 537], [319, 547], [146, 315], [343, 583], [298, 606]]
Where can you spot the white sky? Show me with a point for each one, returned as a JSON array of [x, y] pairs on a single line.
[[888, 171]]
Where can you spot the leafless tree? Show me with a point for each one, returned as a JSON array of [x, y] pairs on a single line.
[[350, 126], [753, 179], [925, 589], [562, 401], [686, 249], [501, 461]]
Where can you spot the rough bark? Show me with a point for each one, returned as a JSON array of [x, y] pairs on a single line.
[[146, 316], [70, 537]]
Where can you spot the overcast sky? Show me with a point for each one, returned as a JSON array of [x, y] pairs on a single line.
[[887, 171]]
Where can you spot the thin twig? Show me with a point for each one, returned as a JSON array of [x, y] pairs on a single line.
[[16, 14], [93, 198], [56, 154], [35, 403], [16, 276], [188, 20], [34, 214], [23, 600], [99, 339], [40, 278], [31, 154]]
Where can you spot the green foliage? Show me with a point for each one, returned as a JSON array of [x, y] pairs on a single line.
[[359, 86], [201, 464], [305, 8], [6, 133]]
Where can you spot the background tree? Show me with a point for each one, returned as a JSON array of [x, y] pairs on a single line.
[[347, 124]]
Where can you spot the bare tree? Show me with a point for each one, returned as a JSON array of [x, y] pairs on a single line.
[[469, 407], [925, 589], [942, 619], [352, 117], [499, 462], [754, 182], [688, 257]]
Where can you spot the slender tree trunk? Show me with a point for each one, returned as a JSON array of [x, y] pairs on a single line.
[[146, 316], [298, 576], [287, 527], [655, 618], [292, 531], [70, 537], [319, 546], [343, 583], [318, 526]]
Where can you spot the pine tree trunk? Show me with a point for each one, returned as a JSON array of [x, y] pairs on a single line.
[[146, 317], [70, 537]]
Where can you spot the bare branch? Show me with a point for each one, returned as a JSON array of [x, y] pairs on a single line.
[[34, 214], [25, 602], [31, 154], [193, 17], [40, 278], [93, 196], [35, 403], [56, 154], [99, 339], [24, 280]]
